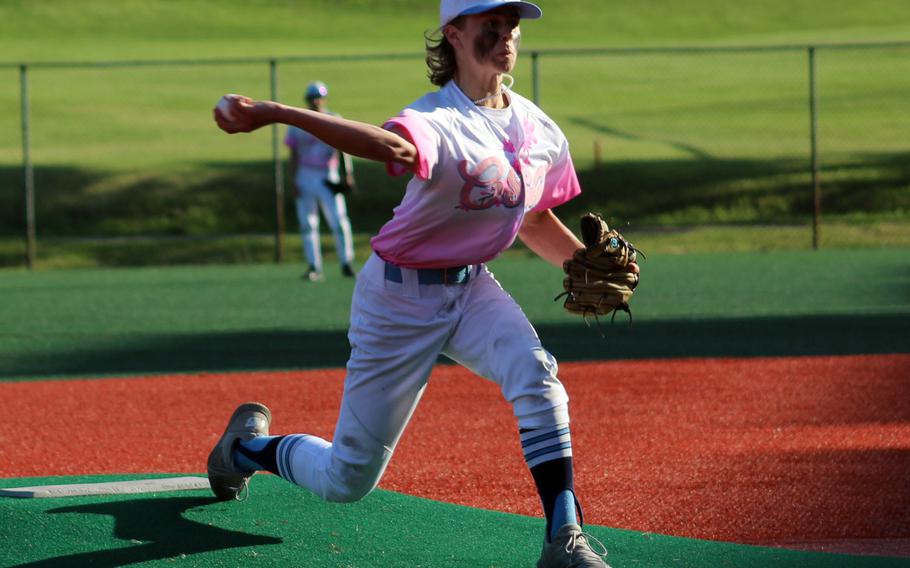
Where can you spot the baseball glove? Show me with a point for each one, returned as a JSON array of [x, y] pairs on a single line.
[[341, 187], [598, 280]]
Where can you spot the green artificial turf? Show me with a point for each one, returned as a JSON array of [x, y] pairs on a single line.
[[280, 525], [222, 318]]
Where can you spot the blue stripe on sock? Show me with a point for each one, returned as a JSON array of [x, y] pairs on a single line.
[[547, 436], [285, 458], [563, 512], [279, 454], [285, 466], [548, 450], [291, 449]]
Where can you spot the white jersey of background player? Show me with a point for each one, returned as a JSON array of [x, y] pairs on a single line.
[[314, 165], [487, 166]]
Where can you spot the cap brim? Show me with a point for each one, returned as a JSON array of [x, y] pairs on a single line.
[[526, 10]]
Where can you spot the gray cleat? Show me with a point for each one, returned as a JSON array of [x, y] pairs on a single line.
[[571, 548], [314, 275], [248, 421]]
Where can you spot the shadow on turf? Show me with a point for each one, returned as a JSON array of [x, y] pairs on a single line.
[[238, 198], [744, 337], [157, 530]]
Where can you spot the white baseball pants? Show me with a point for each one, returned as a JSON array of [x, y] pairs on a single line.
[[397, 332], [314, 195]]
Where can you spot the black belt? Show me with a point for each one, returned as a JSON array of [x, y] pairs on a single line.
[[450, 275]]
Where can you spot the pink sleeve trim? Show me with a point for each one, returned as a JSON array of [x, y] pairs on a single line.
[[558, 190], [419, 133]]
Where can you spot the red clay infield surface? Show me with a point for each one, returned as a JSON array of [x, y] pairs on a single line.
[[746, 450]]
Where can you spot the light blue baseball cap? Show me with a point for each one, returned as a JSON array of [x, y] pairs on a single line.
[[316, 90], [451, 9]]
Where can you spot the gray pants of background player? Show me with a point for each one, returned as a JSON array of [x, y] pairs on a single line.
[[397, 332]]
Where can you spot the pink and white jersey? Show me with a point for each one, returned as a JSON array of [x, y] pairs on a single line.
[[312, 153], [479, 171]]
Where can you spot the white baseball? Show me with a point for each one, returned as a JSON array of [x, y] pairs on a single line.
[[224, 105]]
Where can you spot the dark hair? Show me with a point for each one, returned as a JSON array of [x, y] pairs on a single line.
[[441, 64]]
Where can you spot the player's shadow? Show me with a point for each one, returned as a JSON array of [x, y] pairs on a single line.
[[153, 529]]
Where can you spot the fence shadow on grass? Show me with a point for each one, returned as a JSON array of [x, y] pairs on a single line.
[[220, 198], [705, 189], [263, 350]]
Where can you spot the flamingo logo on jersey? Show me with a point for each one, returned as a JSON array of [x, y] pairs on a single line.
[[488, 185]]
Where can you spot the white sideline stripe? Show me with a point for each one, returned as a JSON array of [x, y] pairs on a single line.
[[108, 487]]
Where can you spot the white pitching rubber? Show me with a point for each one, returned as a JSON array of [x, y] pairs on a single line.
[[108, 488]]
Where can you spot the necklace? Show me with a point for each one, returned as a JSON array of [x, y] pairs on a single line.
[[502, 89]]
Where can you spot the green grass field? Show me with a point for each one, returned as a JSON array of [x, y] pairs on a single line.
[[157, 320], [684, 138]]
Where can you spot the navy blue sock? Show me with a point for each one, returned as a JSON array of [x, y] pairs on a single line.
[[556, 486], [258, 454]]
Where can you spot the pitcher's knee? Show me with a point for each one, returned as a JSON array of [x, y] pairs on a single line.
[[347, 494], [541, 404], [351, 483], [355, 462]]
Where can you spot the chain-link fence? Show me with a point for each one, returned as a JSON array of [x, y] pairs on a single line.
[[668, 136]]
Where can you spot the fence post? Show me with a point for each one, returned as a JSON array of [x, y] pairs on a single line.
[[31, 245], [813, 137], [535, 77], [279, 171]]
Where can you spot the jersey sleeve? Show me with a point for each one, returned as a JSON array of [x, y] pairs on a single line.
[[290, 140], [419, 132], [561, 183]]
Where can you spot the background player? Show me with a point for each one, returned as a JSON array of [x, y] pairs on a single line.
[[487, 165], [314, 168]]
